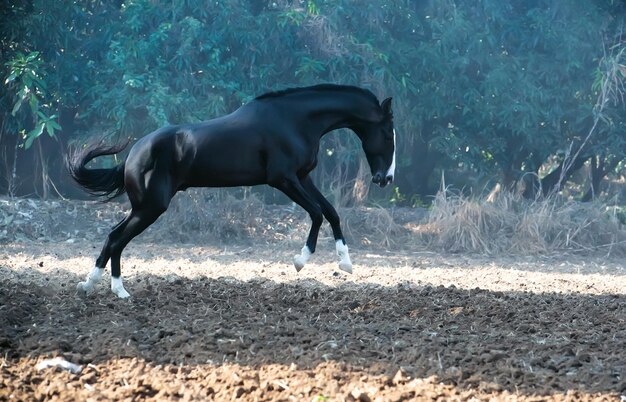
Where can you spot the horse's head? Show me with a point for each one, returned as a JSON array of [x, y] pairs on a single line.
[[379, 143]]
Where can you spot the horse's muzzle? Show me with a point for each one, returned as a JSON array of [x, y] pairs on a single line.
[[382, 180]]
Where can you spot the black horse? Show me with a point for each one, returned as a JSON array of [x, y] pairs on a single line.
[[274, 139]]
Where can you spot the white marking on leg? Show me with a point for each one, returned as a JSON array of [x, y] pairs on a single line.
[[118, 288], [392, 168], [300, 260], [92, 280], [344, 257]]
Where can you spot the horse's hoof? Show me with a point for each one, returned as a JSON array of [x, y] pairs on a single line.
[[121, 293], [84, 289], [345, 266], [298, 262], [117, 287]]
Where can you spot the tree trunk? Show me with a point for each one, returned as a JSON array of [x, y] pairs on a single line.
[[40, 170], [552, 179]]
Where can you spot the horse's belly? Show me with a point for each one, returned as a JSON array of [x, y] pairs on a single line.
[[226, 175]]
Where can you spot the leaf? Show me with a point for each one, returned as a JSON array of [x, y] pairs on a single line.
[[50, 130], [11, 77], [33, 102], [29, 142], [54, 124], [32, 56], [16, 107], [28, 81], [34, 133], [42, 84]]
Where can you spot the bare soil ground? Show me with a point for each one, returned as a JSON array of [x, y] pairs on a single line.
[[229, 318]]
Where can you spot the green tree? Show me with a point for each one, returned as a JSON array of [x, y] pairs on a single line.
[[484, 89], [45, 47]]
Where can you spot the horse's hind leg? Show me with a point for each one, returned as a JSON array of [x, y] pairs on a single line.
[[138, 220], [147, 205], [135, 223], [95, 275], [333, 218]]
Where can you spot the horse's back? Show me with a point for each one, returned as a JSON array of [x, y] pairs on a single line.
[[238, 149], [227, 151]]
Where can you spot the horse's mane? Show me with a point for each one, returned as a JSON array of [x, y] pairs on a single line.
[[320, 88]]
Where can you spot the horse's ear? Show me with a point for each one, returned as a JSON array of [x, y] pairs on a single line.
[[386, 106]]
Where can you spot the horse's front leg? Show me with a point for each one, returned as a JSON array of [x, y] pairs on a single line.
[[297, 193], [311, 243], [333, 218]]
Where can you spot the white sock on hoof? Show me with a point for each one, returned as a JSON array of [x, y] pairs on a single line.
[[92, 280], [118, 288], [300, 260], [344, 257]]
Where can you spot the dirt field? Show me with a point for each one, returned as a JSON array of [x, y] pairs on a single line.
[[232, 319]]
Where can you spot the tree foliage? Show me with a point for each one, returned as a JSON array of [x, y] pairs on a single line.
[[501, 90]]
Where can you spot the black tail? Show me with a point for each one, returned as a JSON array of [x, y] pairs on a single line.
[[107, 183]]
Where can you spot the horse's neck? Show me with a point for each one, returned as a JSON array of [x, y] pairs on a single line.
[[340, 111]]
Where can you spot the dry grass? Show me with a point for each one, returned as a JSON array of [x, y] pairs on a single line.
[[202, 215], [372, 226], [504, 222]]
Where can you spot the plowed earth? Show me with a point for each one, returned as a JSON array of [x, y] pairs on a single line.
[[235, 321]]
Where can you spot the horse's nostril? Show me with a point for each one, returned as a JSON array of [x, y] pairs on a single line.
[[389, 179]]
